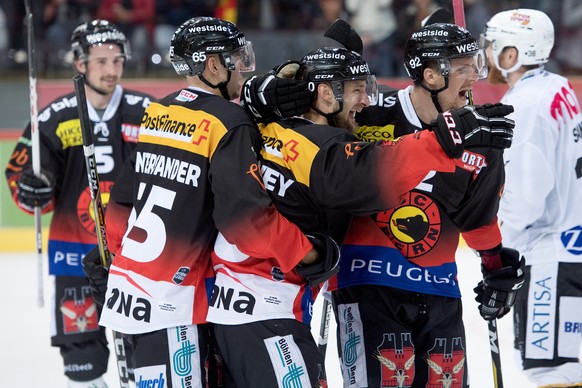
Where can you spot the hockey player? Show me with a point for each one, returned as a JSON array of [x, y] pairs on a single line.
[[540, 210], [318, 176], [396, 298], [194, 173], [100, 51]]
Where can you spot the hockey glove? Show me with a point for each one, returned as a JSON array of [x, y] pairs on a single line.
[[35, 191], [97, 275], [497, 291], [269, 98], [474, 126], [325, 268]]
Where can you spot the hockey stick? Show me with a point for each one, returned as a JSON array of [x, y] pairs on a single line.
[[459, 14], [98, 211], [324, 328], [343, 33], [495, 355], [35, 147], [439, 15]]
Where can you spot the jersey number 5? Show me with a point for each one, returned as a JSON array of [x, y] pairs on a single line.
[[149, 248]]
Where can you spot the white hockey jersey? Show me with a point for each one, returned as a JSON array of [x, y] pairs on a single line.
[[541, 207]]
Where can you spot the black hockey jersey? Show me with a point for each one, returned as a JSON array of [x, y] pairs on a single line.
[[413, 245], [317, 176], [194, 173], [72, 229]]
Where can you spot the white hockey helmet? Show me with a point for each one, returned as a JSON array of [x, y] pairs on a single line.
[[530, 31]]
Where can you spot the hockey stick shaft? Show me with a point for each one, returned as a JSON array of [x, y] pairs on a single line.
[[98, 211], [459, 14], [324, 327], [495, 355], [91, 164], [35, 146]]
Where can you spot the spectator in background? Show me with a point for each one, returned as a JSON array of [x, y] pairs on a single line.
[[374, 20], [59, 19], [476, 16], [569, 50], [409, 16], [3, 39], [294, 14], [16, 25], [137, 19], [329, 11]]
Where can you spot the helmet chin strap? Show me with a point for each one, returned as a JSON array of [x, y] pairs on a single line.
[[329, 116], [434, 94], [220, 86]]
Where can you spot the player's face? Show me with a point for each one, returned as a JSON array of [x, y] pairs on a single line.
[[355, 99], [104, 67], [462, 75]]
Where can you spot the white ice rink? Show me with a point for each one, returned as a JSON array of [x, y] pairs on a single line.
[[27, 360]]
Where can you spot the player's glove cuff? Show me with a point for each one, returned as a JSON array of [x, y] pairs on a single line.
[[33, 191], [497, 291], [97, 275], [474, 126], [269, 97], [327, 266]]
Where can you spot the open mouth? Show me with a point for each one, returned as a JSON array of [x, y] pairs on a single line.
[[464, 94]]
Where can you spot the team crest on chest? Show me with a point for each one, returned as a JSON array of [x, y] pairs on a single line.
[[414, 227], [85, 212]]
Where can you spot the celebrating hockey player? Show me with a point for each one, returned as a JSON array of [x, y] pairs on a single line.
[[194, 173], [541, 211], [100, 51], [397, 299], [324, 177]]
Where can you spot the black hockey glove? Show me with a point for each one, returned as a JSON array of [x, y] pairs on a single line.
[[474, 126], [35, 191], [327, 266], [269, 98], [497, 291], [97, 275]]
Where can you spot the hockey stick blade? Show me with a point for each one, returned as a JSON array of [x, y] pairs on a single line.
[[439, 15], [343, 33]]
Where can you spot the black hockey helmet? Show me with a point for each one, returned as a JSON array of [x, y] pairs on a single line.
[[441, 42], [97, 32], [200, 36], [334, 65]]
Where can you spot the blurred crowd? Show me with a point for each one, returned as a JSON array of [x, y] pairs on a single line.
[[288, 26]]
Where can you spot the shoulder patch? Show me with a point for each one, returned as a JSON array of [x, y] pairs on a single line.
[[69, 132]]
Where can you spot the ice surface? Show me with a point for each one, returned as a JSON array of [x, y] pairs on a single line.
[[28, 360]]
